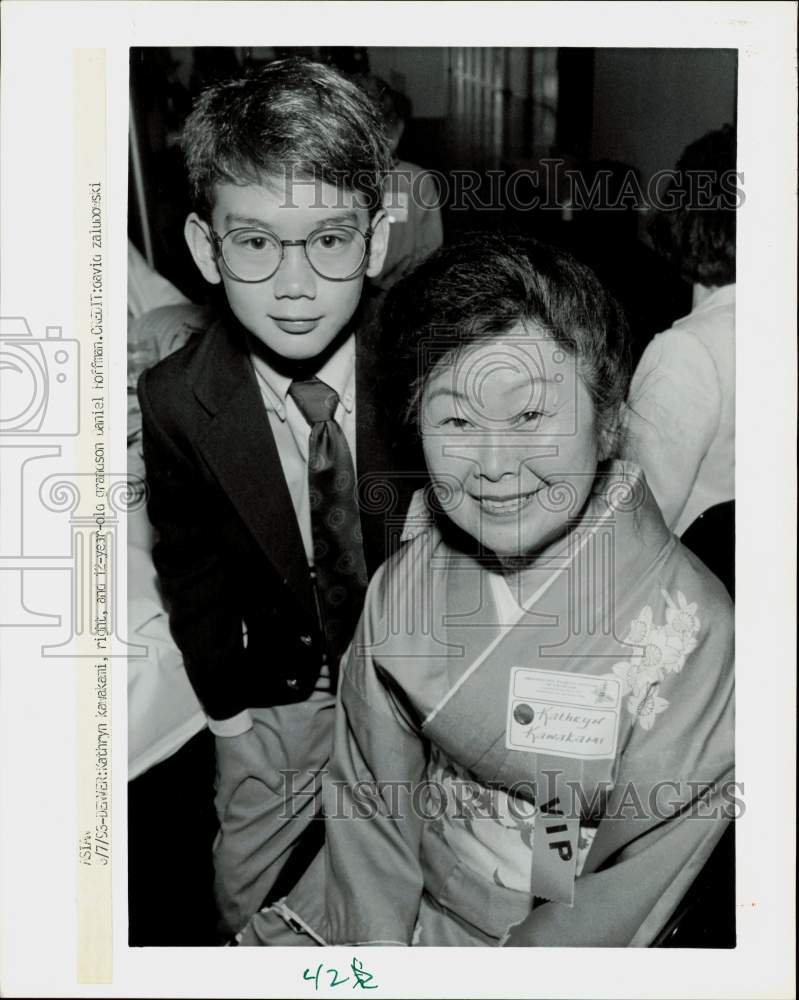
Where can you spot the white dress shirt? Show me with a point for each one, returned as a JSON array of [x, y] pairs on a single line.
[[292, 431]]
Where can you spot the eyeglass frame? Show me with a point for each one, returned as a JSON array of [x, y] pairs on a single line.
[[217, 244]]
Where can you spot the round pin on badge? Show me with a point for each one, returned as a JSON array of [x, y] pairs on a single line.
[[523, 713]]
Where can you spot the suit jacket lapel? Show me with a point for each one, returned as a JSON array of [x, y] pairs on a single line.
[[240, 449]]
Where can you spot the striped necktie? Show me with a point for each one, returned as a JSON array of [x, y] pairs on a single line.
[[339, 564]]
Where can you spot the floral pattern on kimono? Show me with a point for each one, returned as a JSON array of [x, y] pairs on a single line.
[[664, 650]]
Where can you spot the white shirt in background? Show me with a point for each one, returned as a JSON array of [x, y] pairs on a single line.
[[681, 414]]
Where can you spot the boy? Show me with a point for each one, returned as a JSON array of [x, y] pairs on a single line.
[[253, 435]]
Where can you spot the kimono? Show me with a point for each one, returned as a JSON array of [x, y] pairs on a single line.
[[540, 759]]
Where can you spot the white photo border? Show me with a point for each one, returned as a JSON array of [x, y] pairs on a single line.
[[38, 848]]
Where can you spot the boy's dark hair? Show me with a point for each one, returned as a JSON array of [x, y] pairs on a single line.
[[698, 233], [292, 119], [483, 286]]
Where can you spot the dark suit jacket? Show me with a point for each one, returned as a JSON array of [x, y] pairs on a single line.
[[229, 553]]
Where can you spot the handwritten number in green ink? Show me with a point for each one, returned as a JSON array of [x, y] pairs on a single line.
[[314, 978], [362, 977], [334, 980]]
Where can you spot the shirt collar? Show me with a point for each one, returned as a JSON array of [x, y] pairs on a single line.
[[338, 372], [274, 385], [722, 296]]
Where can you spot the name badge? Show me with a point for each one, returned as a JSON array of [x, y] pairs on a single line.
[[567, 715]]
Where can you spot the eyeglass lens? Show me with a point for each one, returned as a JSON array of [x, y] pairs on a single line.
[[254, 255]]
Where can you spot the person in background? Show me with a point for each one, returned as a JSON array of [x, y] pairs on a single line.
[[163, 711], [411, 198], [147, 289], [681, 413], [605, 237]]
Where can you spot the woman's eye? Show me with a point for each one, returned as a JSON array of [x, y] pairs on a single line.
[[458, 423], [530, 417]]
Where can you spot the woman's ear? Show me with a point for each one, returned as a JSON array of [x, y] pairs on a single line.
[[200, 243], [378, 244]]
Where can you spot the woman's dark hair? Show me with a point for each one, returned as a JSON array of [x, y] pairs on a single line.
[[485, 285], [293, 118], [695, 227]]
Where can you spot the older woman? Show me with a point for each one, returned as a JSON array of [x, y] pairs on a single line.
[[535, 721]]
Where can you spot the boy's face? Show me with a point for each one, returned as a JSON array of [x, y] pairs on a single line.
[[295, 312]]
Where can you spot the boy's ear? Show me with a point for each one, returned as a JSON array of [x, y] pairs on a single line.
[[378, 245], [198, 237]]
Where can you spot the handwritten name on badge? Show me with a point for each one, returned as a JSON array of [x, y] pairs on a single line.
[[568, 715]]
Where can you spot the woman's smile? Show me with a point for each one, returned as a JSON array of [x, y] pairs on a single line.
[[504, 506]]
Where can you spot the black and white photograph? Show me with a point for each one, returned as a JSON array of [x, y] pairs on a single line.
[[438, 595], [435, 355]]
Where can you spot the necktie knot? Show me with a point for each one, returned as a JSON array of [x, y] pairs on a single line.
[[315, 400]]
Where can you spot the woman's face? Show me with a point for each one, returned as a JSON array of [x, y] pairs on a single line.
[[510, 441]]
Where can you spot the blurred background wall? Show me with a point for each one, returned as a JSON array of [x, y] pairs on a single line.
[[501, 110], [648, 104]]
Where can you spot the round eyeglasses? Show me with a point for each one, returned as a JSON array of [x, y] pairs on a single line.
[[336, 253]]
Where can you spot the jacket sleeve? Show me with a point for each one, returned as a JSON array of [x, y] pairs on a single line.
[[193, 574], [668, 808]]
